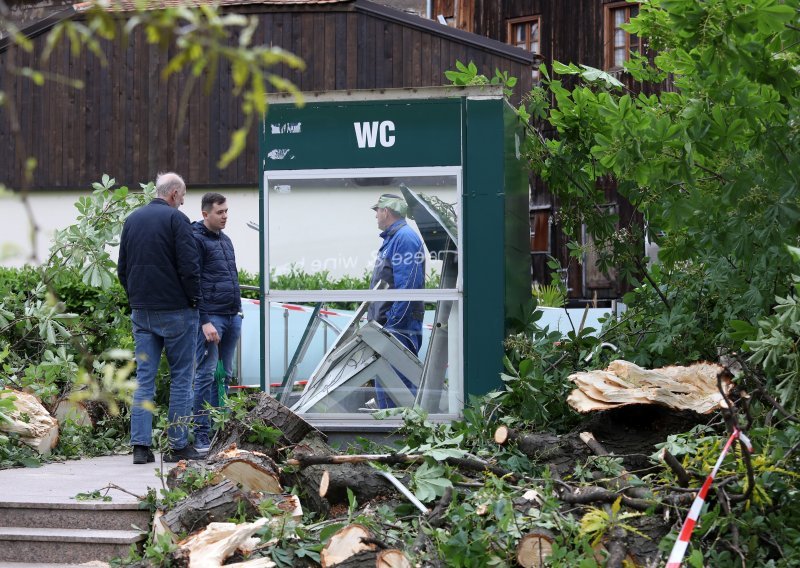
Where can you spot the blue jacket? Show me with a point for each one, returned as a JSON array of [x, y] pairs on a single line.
[[400, 263], [219, 279], [158, 263]]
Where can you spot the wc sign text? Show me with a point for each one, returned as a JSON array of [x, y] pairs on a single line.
[[368, 134]]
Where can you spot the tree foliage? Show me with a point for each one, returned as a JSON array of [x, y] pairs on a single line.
[[711, 164]]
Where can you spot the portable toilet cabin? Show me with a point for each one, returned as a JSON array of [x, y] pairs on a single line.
[[447, 162]]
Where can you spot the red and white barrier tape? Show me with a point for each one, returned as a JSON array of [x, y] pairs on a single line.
[[298, 308], [679, 549]]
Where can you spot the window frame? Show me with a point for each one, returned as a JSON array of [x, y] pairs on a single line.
[[511, 25], [631, 42], [348, 421]]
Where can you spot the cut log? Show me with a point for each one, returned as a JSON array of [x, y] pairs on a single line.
[[364, 481], [31, 421], [252, 471], [392, 558], [267, 411], [389, 558], [624, 383], [76, 412], [347, 542], [210, 547], [214, 503], [535, 548], [538, 446]]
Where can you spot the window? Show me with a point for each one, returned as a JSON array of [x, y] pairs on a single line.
[[540, 229], [618, 42], [525, 33]]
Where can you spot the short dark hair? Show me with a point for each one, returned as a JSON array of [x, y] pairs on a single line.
[[210, 199]]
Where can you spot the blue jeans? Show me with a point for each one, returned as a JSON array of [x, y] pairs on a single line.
[[411, 337], [154, 331], [229, 328]]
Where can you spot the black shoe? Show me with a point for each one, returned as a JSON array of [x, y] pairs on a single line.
[[187, 453], [143, 454]]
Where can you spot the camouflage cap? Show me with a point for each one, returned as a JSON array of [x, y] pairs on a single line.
[[394, 202]]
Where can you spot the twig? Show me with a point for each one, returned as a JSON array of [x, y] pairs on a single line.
[[118, 488], [435, 518], [683, 477]]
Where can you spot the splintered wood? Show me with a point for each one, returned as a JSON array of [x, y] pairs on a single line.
[[624, 383], [31, 421]]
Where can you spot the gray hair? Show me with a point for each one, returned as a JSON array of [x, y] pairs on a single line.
[[168, 182]]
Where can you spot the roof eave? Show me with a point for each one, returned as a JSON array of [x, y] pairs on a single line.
[[430, 26]]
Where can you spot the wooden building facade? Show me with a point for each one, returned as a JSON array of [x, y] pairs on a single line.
[[125, 121], [575, 31]]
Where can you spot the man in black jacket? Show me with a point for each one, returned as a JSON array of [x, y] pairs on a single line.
[[159, 268], [220, 310]]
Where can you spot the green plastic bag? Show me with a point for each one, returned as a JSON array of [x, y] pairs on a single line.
[[219, 378]]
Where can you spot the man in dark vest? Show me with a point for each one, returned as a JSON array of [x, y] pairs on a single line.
[[159, 268], [220, 310], [401, 264]]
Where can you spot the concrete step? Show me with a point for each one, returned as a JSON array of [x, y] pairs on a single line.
[[65, 546], [74, 515]]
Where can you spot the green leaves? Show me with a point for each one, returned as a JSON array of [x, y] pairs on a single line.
[[429, 482]]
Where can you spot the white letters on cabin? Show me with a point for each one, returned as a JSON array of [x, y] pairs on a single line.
[[369, 133]]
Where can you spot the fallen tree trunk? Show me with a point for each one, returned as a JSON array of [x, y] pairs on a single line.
[[213, 503], [267, 411], [31, 421], [364, 481], [252, 471]]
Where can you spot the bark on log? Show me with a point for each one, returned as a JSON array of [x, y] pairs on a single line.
[[360, 478], [253, 471], [540, 447], [214, 503], [345, 543], [31, 421], [535, 548], [266, 411]]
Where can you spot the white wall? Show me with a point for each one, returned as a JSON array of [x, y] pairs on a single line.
[[312, 230], [56, 210]]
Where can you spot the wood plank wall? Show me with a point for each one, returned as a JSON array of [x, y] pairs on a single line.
[[125, 122], [572, 31]]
